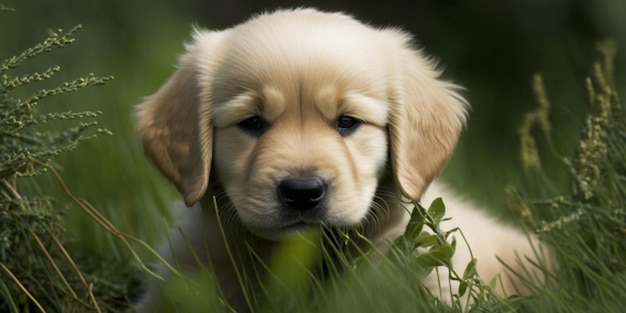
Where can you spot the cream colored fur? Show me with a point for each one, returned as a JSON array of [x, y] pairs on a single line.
[[300, 71]]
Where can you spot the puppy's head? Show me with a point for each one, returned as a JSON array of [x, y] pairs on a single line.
[[299, 114]]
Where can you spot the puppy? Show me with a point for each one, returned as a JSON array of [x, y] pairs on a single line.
[[299, 118]]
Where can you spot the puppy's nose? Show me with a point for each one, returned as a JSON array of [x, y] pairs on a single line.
[[302, 193]]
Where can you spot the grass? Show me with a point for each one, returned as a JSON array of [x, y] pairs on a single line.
[[585, 226], [36, 270], [353, 284], [93, 266]]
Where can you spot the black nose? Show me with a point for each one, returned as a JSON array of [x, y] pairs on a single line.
[[302, 193]]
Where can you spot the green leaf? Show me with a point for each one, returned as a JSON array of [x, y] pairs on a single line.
[[437, 210], [444, 253], [468, 275], [426, 240], [438, 256], [470, 270], [462, 288], [415, 225]]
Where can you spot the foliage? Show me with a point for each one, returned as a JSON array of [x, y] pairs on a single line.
[[36, 271], [587, 226]]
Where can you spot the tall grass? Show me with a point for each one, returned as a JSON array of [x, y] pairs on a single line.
[[42, 266], [37, 273], [587, 226]]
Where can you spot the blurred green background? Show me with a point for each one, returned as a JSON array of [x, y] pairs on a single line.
[[491, 47]]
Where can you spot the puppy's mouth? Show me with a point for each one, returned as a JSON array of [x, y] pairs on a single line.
[[300, 223], [296, 226], [288, 225], [278, 230]]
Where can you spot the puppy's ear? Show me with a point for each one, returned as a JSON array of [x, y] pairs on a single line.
[[427, 115], [175, 122]]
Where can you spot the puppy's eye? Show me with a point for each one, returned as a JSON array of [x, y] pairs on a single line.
[[254, 126], [346, 125]]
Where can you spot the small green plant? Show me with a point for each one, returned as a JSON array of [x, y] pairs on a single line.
[[587, 225], [37, 274]]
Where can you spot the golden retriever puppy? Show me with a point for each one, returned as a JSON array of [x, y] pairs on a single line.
[[299, 118]]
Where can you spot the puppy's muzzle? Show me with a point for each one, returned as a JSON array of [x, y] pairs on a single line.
[[302, 193]]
